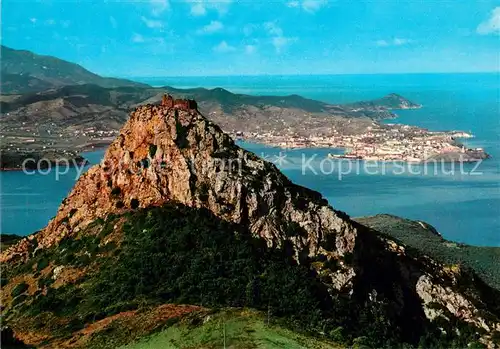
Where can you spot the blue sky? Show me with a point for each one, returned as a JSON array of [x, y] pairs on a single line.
[[244, 37]]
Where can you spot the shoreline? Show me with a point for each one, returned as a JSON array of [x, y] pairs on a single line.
[[71, 165], [378, 141], [455, 156], [75, 161], [415, 162], [18, 163]]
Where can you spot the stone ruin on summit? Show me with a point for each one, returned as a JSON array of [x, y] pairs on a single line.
[[185, 104]]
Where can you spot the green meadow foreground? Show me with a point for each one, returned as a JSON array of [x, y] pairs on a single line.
[[236, 329]]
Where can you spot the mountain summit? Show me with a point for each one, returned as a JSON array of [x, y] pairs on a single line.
[[170, 152], [178, 213]]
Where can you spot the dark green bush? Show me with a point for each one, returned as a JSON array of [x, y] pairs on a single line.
[[83, 260], [495, 337], [107, 228], [134, 203], [294, 229], [19, 299], [19, 289], [176, 254], [203, 192], [181, 138], [93, 246], [68, 258], [42, 264], [152, 150], [116, 191], [46, 281], [110, 246], [145, 163]]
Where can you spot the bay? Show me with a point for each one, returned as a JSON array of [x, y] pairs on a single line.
[[463, 207]]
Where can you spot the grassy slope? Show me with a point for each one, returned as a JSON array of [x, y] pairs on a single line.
[[423, 237], [243, 329]]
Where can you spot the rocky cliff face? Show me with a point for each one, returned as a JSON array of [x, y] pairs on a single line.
[[171, 153]]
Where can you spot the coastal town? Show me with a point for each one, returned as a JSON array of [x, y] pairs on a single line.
[[41, 136], [382, 142], [360, 138], [49, 142]]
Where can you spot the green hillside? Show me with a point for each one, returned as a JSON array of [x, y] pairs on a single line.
[[426, 240], [179, 255], [24, 71], [243, 329]]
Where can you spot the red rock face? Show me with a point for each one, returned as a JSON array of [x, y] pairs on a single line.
[[166, 153], [172, 153]]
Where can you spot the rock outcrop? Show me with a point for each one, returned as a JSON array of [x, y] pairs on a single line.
[[171, 153]]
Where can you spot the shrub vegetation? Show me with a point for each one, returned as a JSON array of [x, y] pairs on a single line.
[[176, 254]]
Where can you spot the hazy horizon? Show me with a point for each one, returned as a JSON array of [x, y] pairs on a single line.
[[305, 74], [252, 38]]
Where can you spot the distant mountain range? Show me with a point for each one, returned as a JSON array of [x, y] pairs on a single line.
[[76, 108], [45, 78], [24, 71], [124, 98], [43, 96]]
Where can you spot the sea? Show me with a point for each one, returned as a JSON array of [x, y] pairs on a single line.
[[461, 201]]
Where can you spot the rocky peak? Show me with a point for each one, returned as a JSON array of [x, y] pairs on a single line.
[[170, 152]]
